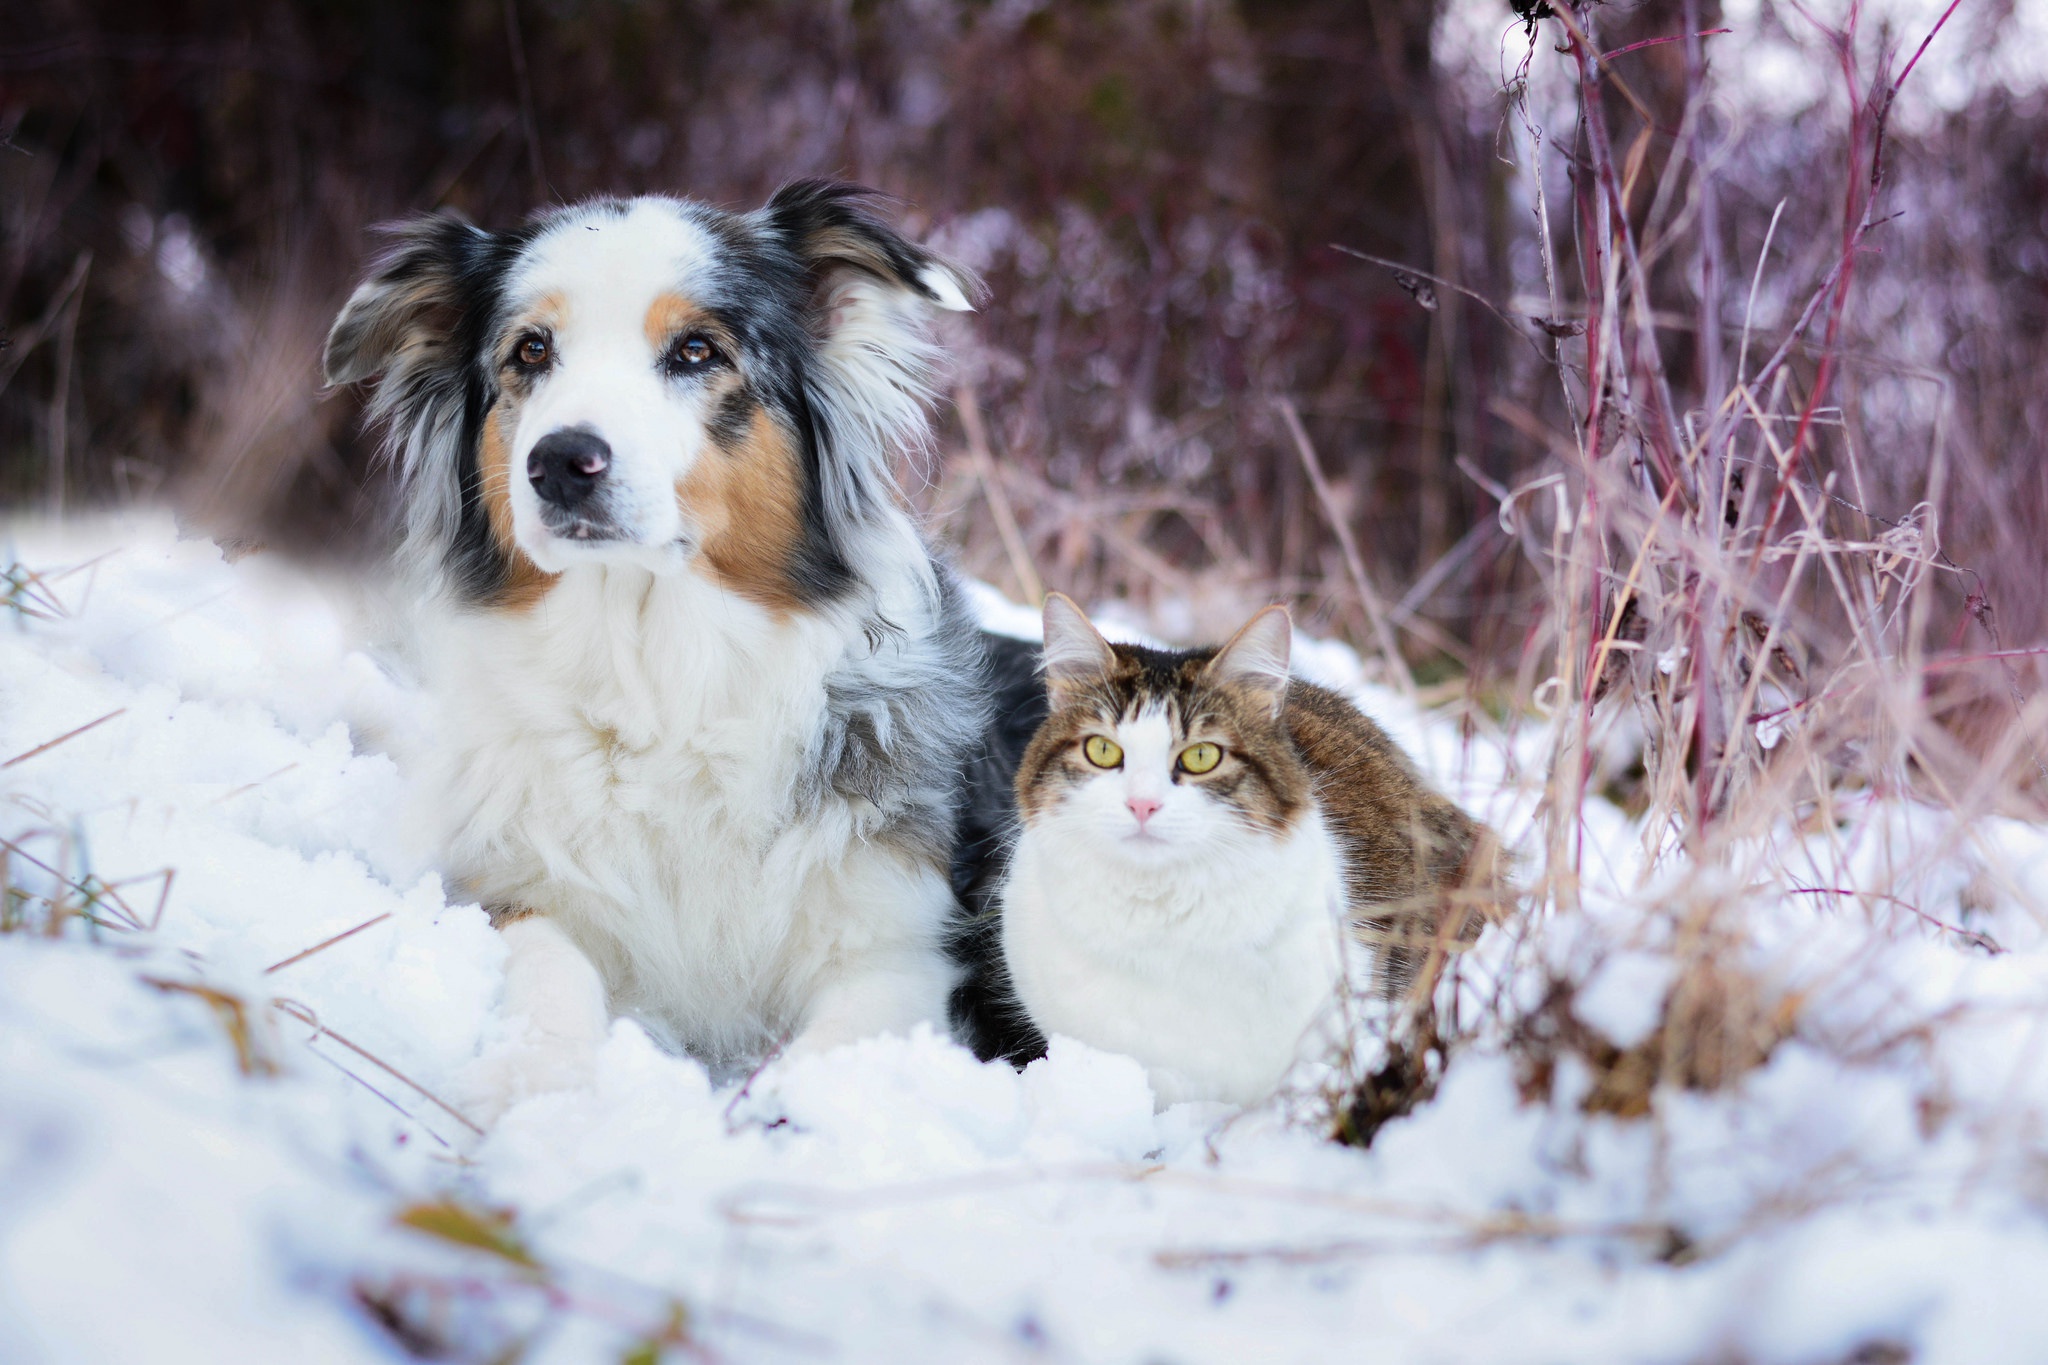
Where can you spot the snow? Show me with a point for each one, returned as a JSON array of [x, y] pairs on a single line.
[[174, 1189]]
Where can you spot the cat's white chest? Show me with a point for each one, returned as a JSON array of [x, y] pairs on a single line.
[[1215, 975]]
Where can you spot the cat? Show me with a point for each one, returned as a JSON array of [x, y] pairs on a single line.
[[1200, 835]]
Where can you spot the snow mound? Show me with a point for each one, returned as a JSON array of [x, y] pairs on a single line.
[[221, 1136]]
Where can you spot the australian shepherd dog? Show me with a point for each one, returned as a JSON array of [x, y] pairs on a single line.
[[705, 699]]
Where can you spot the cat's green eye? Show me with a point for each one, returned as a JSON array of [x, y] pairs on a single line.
[[1200, 758], [1103, 753]]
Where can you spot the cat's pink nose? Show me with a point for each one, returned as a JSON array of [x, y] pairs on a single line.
[[1144, 807]]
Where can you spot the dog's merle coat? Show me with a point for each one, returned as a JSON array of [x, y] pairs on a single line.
[[709, 729]]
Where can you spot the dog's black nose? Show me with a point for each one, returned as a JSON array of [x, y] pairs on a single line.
[[567, 466]]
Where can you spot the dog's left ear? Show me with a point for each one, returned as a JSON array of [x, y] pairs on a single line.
[[833, 228], [873, 362], [402, 319]]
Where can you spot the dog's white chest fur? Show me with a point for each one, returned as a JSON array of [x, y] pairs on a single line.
[[634, 757], [1213, 977]]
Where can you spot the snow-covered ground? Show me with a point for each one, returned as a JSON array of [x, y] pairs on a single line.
[[215, 1146]]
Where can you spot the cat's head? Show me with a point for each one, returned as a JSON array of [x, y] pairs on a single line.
[[1159, 756]]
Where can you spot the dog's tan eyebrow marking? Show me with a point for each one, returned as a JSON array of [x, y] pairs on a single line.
[[547, 313], [671, 315]]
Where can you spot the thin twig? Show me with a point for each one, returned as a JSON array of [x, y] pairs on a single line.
[[984, 464], [68, 735], [1375, 609], [531, 125], [305, 1015], [326, 943], [1516, 323], [226, 797], [1970, 936], [1612, 53]]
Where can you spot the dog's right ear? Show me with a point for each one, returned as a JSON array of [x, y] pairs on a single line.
[[405, 313]]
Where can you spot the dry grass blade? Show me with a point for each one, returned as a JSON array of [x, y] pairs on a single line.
[[248, 787], [1659, 1238], [94, 894], [486, 1230], [169, 875], [325, 944], [28, 594], [305, 1015], [1368, 596], [233, 1012], [999, 507], [67, 735]]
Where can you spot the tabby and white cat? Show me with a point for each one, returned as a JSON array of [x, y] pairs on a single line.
[[1200, 831]]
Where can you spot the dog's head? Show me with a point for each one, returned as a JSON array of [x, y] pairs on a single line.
[[649, 382]]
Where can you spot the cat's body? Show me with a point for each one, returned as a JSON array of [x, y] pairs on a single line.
[[1213, 981], [1201, 834]]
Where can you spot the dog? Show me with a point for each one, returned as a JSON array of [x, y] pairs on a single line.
[[708, 704]]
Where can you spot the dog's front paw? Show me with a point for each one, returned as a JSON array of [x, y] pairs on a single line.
[[519, 1069], [554, 1021]]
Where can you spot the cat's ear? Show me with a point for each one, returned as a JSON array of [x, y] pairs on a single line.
[[1075, 652], [1255, 660]]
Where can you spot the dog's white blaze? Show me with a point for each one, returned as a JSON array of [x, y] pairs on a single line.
[[624, 758], [605, 272]]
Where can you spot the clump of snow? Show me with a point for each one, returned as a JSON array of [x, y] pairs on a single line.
[[1624, 996], [215, 1145]]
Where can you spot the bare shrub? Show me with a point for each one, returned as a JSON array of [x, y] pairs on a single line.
[[1756, 633]]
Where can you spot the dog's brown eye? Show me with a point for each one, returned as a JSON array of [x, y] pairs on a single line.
[[696, 351], [533, 351]]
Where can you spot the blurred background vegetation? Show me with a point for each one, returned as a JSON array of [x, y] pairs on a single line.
[[1155, 191]]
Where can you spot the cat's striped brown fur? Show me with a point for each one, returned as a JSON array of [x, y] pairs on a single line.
[[1408, 850]]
